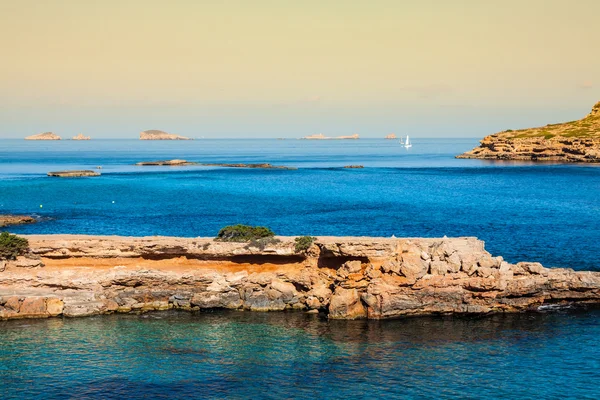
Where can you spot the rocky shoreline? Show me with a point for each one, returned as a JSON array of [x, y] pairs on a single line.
[[342, 278], [573, 142]]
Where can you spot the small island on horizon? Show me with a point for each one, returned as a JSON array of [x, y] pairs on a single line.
[[155, 134], [575, 141], [320, 136]]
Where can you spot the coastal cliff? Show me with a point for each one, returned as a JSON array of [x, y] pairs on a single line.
[[576, 141], [44, 136], [154, 134], [343, 278]]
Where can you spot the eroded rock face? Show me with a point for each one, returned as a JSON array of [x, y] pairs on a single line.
[[6, 220], [576, 141], [344, 278]]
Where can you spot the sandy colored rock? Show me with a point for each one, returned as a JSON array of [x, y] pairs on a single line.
[[81, 137], [343, 278], [44, 136], [390, 136], [6, 220], [155, 134], [576, 141], [346, 304]]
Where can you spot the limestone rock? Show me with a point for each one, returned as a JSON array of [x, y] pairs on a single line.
[[346, 304]]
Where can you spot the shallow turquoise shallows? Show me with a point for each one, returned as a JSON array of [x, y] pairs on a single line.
[[294, 355]]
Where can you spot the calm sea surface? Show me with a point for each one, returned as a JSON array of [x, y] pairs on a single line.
[[546, 213]]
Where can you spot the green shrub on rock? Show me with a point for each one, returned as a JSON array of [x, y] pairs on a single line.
[[303, 243], [243, 233], [12, 246]]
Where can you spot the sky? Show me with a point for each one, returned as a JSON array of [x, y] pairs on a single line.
[[283, 68]]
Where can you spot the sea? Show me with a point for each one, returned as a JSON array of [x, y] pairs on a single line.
[[548, 213]]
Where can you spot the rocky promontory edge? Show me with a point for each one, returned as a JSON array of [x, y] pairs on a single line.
[[575, 141], [342, 278]]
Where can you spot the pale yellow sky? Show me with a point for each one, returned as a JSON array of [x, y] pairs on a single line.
[[289, 68]]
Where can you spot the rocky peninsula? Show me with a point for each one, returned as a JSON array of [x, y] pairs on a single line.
[[154, 134], [341, 278], [44, 136], [575, 141]]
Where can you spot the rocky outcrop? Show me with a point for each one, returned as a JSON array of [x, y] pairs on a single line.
[[43, 136], [175, 162], [73, 174], [154, 134], [576, 141], [342, 278], [6, 220], [391, 136], [260, 166], [354, 166], [81, 137], [320, 136]]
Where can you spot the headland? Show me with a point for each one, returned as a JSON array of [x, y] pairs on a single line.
[[575, 141]]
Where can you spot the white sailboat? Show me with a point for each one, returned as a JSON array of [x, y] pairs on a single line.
[[407, 144], [401, 141]]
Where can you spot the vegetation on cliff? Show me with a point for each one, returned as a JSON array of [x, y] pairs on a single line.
[[243, 233], [12, 246], [303, 243], [574, 141]]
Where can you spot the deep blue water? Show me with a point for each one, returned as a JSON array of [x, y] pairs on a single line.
[[294, 355], [546, 213]]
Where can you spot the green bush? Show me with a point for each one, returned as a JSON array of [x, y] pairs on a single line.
[[12, 246], [243, 233], [303, 243], [262, 243]]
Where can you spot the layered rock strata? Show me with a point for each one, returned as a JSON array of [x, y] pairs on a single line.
[[343, 278], [576, 141]]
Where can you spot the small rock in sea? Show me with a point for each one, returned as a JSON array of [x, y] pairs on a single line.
[[353, 166], [73, 174]]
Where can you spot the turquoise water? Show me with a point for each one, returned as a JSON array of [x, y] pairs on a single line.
[[547, 213], [294, 355]]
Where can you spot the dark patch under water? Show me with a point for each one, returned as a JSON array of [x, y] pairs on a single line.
[[218, 355]]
